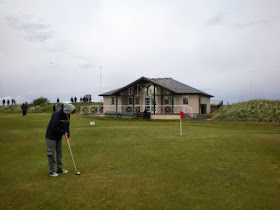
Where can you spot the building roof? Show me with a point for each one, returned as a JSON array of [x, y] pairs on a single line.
[[170, 84]]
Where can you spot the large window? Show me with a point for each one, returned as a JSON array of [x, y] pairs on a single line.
[[166, 100], [137, 100], [112, 100], [130, 100], [185, 99]]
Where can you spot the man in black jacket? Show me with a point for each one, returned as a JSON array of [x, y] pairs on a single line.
[[58, 127]]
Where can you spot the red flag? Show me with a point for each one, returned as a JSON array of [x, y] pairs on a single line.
[[182, 114]]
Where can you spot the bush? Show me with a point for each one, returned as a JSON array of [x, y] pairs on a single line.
[[40, 101]]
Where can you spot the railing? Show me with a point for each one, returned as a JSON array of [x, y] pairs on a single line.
[[160, 109], [92, 109]]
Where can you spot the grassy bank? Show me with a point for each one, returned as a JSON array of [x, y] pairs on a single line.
[[43, 108], [254, 110], [137, 164]]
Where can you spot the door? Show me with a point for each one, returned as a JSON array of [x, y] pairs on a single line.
[[149, 104], [203, 108]]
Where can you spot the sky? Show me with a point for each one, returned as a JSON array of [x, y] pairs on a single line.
[[227, 48]]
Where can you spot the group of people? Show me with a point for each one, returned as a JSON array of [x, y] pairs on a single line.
[[8, 102], [85, 99], [73, 100]]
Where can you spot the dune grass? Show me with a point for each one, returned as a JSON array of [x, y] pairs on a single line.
[[253, 110], [137, 164]]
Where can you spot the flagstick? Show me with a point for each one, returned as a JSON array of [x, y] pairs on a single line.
[[181, 130]]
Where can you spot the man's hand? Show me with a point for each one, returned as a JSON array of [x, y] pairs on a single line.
[[66, 136]]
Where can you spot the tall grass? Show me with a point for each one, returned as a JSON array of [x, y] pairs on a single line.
[[253, 110]]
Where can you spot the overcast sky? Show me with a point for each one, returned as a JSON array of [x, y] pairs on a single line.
[[227, 48]]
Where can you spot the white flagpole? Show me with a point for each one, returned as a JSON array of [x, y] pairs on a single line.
[[181, 130]]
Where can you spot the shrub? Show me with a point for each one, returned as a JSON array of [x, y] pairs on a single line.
[[40, 101]]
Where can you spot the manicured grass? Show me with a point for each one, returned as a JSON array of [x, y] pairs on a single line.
[[137, 164]]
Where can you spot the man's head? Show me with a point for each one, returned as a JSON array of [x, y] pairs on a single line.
[[68, 109]]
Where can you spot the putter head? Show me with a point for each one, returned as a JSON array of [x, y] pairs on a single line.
[[78, 173]]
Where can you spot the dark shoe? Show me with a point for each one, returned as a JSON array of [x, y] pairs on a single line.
[[53, 174], [63, 171]]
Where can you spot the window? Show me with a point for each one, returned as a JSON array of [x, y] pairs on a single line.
[[166, 100], [137, 100], [130, 91], [150, 90], [130, 100], [112, 101], [185, 100]]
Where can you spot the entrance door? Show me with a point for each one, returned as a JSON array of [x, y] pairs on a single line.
[[203, 108], [149, 104]]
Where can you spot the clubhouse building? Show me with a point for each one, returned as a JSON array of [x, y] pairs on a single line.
[[158, 96]]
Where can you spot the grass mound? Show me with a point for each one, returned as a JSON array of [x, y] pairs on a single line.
[[42, 108], [253, 110]]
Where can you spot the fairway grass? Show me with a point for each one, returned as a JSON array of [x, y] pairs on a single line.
[[138, 164]]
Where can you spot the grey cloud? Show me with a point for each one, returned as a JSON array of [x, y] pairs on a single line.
[[38, 36], [59, 46], [84, 62], [252, 23], [215, 20], [34, 29]]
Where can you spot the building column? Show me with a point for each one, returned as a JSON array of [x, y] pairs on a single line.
[[133, 99], [172, 104], [116, 103]]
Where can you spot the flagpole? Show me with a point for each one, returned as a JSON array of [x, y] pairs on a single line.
[[182, 114], [181, 130]]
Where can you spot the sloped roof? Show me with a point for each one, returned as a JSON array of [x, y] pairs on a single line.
[[170, 84]]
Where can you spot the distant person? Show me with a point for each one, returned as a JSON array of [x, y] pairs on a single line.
[[145, 114], [72, 100], [81, 99], [8, 102], [4, 101], [57, 100], [58, 126], [54, 107], [75, 99], [24, 108]]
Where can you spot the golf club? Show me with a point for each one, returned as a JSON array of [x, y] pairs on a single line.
[[68, 142]]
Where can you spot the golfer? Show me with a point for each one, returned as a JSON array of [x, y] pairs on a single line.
[[58, 126]]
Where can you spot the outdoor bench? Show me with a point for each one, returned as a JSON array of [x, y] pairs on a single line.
[[112, 113], [143, 115], [129, 114]]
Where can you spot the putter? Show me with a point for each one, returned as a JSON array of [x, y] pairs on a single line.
[[77, 172]]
